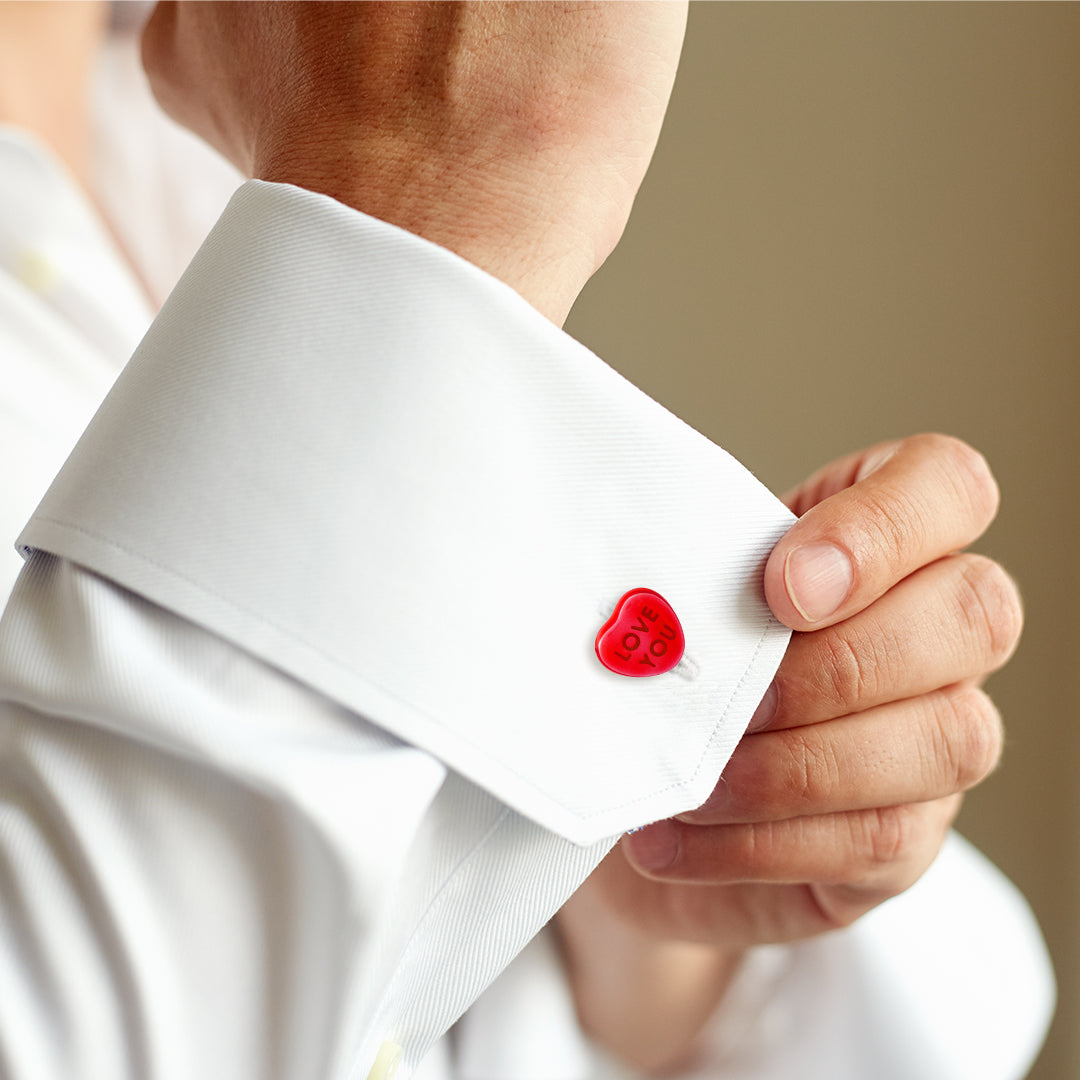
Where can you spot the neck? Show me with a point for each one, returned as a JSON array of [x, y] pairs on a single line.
[[47, 53]]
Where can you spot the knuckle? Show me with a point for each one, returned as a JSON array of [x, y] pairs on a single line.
[[944, 813], [837, 907], [889, 833], [969, 471], [813, 773], [748, 849], [973, 741], [841, 916], [880, 846], [990, 607], [892, 847], [892, 524], [843, 669], [898, 517], [855, 666]]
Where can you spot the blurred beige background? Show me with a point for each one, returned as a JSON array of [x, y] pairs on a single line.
[[863, 220]]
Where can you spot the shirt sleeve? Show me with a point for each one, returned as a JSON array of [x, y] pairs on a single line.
[[304, 736], [948, 981], [207, 869], [379, 469]]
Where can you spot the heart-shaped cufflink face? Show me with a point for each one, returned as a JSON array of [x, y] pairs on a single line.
[[642, 637]]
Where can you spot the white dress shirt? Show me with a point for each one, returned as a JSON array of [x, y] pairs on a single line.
[[306, 736]]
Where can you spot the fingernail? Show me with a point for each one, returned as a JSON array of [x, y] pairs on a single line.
[[765, 711], [875, 461], [818, 578], [655, 846], [706, 813]]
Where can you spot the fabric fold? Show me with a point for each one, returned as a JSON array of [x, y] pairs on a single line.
[[424, 508]]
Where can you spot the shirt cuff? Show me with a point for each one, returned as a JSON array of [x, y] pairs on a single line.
[[372, 465]]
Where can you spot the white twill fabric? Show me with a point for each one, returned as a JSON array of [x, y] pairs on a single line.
[[60, 346], [217, 872], [216, 866], [416, 503], [400, 484]]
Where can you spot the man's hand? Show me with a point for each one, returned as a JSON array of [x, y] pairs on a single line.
[[514, 134], [841, 795]]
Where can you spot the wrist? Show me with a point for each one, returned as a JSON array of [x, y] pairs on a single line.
[[482, 215], [645, 999], [515, 135]]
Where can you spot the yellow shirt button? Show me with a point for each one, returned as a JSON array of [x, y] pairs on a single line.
[[386, 1063], [35, 271]]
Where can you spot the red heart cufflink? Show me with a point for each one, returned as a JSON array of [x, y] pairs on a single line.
[[642, 637]]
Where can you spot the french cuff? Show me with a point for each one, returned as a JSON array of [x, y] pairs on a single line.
[[372, 465]]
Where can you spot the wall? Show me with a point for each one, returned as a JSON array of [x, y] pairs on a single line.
[[863, 220]]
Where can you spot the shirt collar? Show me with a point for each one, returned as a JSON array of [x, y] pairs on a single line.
[[377, 468]]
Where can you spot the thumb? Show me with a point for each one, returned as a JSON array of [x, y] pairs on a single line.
[[904, 505]]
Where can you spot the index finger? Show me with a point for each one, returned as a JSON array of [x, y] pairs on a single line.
[[932, 496]]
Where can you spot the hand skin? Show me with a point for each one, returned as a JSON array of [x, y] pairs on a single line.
[[515, 134], [841, 795]]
